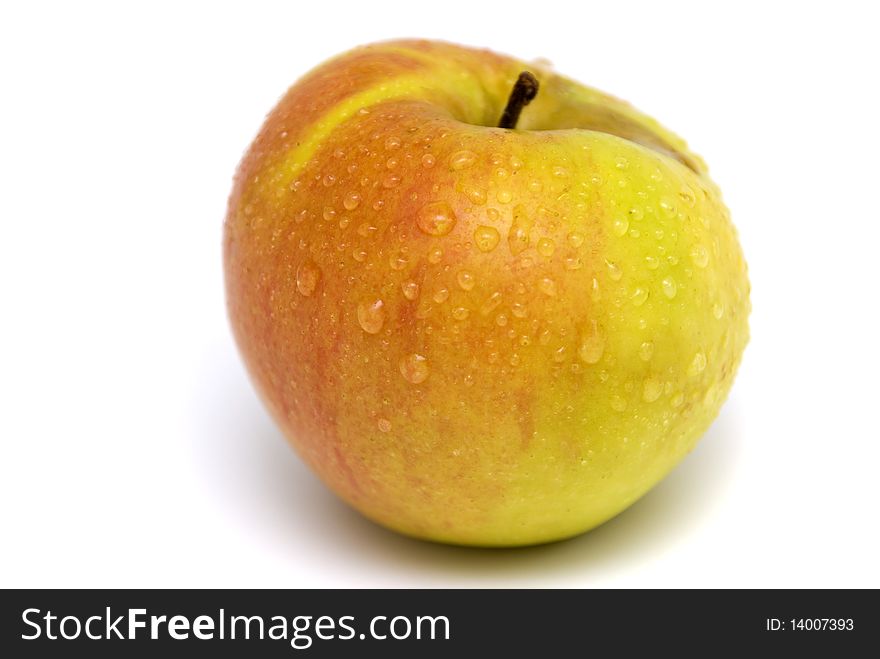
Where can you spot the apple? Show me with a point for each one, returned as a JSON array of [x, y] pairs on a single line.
[[480, 320]]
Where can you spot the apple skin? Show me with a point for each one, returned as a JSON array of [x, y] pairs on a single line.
[[476, 335]]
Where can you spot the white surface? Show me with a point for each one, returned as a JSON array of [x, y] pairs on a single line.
[[134, 451]]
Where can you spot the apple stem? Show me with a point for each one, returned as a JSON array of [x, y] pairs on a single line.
[[524, 90]]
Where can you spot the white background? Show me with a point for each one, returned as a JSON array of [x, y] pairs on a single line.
[[134, 450]]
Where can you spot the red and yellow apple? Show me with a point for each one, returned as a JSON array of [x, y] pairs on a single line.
[[480, 335]]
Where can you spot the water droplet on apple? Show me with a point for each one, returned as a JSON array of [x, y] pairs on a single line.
[[652, 388], [636, 213], [414, 368], [547, 286], [462, 160], [460, 313], [486, 238], [592, 345], [576, 239], [307, 276], [503, 196], [351, 201], [410, 290], [573, 263], [614, 270], [652, 262], [491, 303], [620, 226], [711, 395], [329, 213], [518, 237], [466, 280], [595, 291], [544, 337], [677, 399], [329, 180], [688, 196], [435, 255], [475, 194], [718, 310], [392, 143], [441, 295], [639, 296], [670, 288], [546, 247], [397, 261], [436, 218], [700, 256], [384, 425], [371, 316], [359, 254], [667, 207], [365, 229], [428, 161], [560, 172], [560, 354], [390, 181], [698, 365], [646, 351], [501, 320], [618, 404], [519, 310]]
